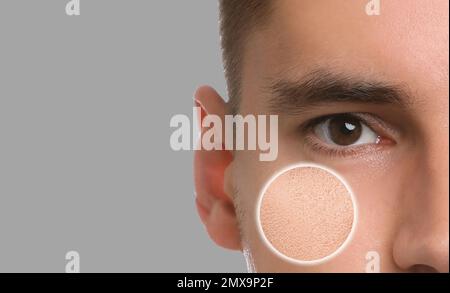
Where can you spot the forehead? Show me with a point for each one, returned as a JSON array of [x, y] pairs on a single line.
[[406, 43]]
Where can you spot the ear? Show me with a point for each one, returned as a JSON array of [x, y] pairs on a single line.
[[214, 206]]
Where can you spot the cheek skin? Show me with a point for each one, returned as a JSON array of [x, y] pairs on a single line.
[[259, 257], [376, 220]]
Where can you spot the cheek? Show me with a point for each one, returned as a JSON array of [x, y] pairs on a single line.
[[250, 177], [379, 188]]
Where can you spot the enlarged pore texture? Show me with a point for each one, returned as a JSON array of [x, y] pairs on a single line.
[[306, 213]]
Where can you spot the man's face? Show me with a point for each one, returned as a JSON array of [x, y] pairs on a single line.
[[398, 166]]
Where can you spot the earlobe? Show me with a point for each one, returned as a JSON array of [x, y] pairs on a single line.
[[214, 205]]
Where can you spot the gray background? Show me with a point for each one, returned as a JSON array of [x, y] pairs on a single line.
[[85, 161]]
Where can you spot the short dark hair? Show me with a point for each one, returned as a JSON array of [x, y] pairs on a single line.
[[238, 18]]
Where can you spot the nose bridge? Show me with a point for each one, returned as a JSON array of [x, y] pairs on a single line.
[[437, 164], [423, 232], [436, 170], [435, 230]]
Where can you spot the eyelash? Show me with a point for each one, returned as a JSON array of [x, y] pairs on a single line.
[[372, 122]]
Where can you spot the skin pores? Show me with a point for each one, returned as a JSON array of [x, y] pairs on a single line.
[[306, 213]]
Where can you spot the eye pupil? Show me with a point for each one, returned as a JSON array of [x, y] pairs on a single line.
[[344, 129]]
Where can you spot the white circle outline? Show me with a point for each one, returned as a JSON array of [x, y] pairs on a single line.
[[293, 260]]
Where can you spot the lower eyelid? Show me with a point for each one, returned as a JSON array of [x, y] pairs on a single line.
[[335, 151]]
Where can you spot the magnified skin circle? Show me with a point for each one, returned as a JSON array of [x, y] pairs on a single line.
[[306, 214]]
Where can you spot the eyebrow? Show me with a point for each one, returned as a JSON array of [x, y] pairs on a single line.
[[322, 87]]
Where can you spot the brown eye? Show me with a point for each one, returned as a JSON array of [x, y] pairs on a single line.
[[345, 130]]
